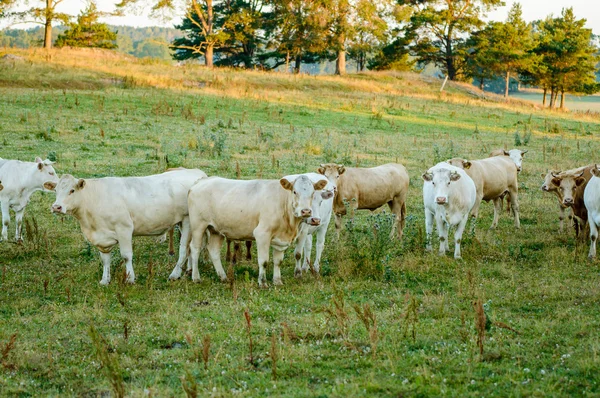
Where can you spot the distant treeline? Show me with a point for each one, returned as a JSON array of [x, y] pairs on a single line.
[[150, 41]]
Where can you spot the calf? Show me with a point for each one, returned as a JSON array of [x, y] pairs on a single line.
[[113, 210], [21, 180], [591, 199], [449, 194], [268, 211], [493, 178], [369, 188], [570, 190]]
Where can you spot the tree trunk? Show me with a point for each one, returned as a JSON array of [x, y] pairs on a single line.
[[551, 97], [507, 84], [562, 100], [297, 63], [287, 62], [340, 63], [48, 26], [481, 83], [450, 57], [544, 100], [208, 55]]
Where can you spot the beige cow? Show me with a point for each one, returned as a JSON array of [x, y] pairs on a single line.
[[548, 186], [493, 177], [369, 188], [516, 155], [268, 211]]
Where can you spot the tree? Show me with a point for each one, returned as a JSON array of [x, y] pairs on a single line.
[[88, 32], [5, 6], [480, 60], [370, 30], [439, 28], [201, 37], [44, 15]]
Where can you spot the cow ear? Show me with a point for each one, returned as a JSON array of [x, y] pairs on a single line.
[[595, 171], [467, 164], [579, 181], [50, 186], [556, 181], [524, 152], [80, 183], [341, 169], [327, 195], [427, 176], [506, 153], [286, 184], [40, 165], [321, 170], [319, 185], [38, 159], [543, 175], [454, 176]]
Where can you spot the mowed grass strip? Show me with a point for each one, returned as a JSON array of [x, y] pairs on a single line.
[[539, 291]]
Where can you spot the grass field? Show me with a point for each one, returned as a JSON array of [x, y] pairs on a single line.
[[102, 115]]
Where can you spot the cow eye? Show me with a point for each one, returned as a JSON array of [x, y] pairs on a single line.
[[294, 192], [433, 182], [72, 191], [51, 173], [448, 182]]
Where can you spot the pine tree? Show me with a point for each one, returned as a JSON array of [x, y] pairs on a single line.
[[88, 32]]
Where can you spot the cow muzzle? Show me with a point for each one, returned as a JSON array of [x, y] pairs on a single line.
[[57, 209], [519, 169], [315, 222], [306, 213], [545, 188], [440, 200], [567, 201]]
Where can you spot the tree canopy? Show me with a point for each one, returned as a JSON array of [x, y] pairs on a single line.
[[88, 32]]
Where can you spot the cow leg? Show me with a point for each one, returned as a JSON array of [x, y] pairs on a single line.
[[593, 237], [442, 228], [183, 243], [126, 249], [249, 250], [228, 252], [428, 229], [301, 241], [215, 242], [398, 208], [105, 268], [277, 259], [458, 235], [308, 253], [475, 211], [237, 252], [263, 243], [514, 204], [19, 219], [561, 218], [196, 244], [497, 211], [171, 241], [5, 220], [338, 225]]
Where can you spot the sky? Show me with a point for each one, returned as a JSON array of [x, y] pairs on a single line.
[[532, 10]]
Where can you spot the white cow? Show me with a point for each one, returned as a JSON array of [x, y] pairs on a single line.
[[268, 211], [21, 180], [322, 200], [112, 210], [449, 194], [591, 198]]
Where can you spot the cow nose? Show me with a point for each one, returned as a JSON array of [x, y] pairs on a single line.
[[315, 221], [56, 208], [306, 212], [440, 200], [568, 201], [544, 188], [519, 169]]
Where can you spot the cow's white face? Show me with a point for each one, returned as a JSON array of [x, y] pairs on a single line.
[[318, 198], [333, 172], [548, 185], [516, 155], [441, 179], [302, 189], [45, 175], [460, 163], [567, 185], [68, 194]]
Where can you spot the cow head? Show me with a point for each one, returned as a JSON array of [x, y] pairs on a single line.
[[516, 155], [441, 179], [548, 185], [318, 198], [458, 162], [68, 195], [595, 171], [332, 171], [44, 176], [302, 189], [567, 185]]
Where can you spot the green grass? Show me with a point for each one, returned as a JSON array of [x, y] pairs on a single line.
[[535, 280]]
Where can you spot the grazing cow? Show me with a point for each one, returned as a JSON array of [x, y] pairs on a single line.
[[591, 199], [112, 210], [21, 180], [570, 190], [369, 188], [323, 200], [493, 178], [449, 194], [516, 155], [268, 211]]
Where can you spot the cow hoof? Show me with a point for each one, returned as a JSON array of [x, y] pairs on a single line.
[[298, 273], [277, 282], [19, 241], [174, 276], [104, 282], [196, 280], [263, 285], [224, 279], [130, 281]]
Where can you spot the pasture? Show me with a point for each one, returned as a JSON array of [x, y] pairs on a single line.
[[385, 318]]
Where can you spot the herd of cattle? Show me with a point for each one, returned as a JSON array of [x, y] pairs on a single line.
[[277, 213]]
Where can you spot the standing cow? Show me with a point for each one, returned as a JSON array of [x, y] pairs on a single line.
[[21, 180], [113, 210], [268, 211], [369, 188], [591, 199], [493, 178], [449, 194]]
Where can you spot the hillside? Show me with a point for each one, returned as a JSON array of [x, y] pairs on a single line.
[[383, 318]]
